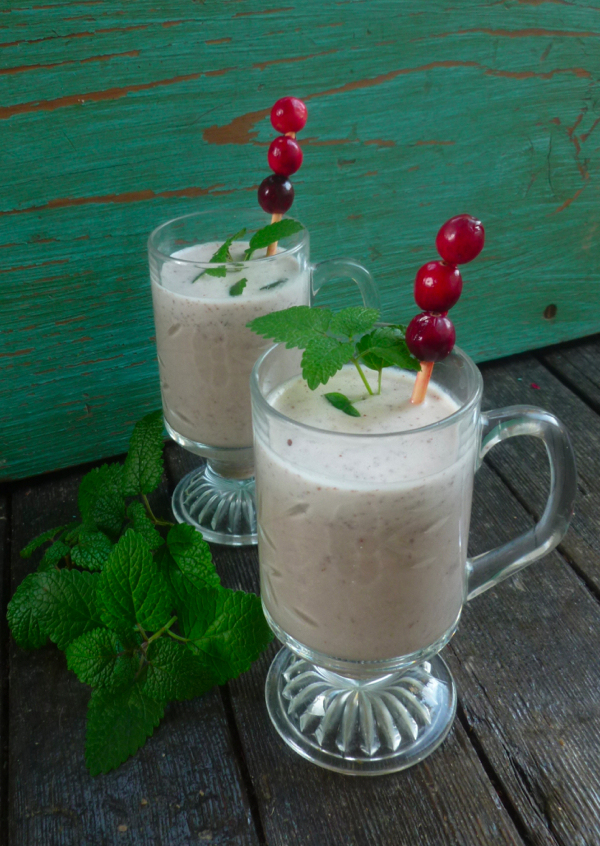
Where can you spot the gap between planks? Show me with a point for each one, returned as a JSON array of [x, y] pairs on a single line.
[[238, 751], [5, 574]]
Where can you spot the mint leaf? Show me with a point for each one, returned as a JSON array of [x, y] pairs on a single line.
[[143, 466], [273, 285], [60, 604], [131, 588], [271, 233], [223, 253], [142, 524], [34, 544], [355, 320], [227, 628], [98, 658], [237, 289], [72, 535], [118, 724], [174, 672], [24, 612], [191, 554], [69, 605], [53, 556], [212, 271], [92, 551], [384, 347], [322, 359], [342, 403], [100, 499], [295, 327]]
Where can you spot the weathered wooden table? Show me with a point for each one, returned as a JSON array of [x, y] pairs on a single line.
[[521, 765]]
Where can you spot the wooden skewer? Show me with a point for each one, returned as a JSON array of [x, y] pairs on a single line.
[[421, 382], [272, 248], [275, 218]]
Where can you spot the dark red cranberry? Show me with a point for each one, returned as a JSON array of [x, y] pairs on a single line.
[[275, 194], [284, 156], [289, 115], [437, 286], [430, 337], [460, 239]]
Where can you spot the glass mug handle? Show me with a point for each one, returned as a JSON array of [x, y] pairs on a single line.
[[333, 268], [486, 570]]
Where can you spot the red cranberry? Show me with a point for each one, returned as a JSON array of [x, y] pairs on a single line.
[[437, 286], [289, 115], [430, 337], [460, 239], [275, 194], [285, 155]]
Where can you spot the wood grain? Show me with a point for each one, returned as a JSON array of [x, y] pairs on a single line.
[[116, 117], [578, 366], [183, 787], [527, 665]]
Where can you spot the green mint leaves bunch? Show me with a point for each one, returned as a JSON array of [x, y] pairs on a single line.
[[331, 340], [269, 234], [135, 603]]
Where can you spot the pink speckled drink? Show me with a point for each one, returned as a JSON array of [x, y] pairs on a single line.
[[206, 352], [363, 528], [363, 548]]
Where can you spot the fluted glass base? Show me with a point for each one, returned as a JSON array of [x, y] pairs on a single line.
[[360, 727], [223, 509]]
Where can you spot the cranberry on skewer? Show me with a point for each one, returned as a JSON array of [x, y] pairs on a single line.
[[284, 156], [430, 338], [275, 194], [431, 335], [437, 286], [289, 115], [460, 239]]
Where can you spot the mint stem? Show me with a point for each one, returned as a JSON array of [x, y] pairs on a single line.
[[154, 519], [178, 637], [362, 375], [379, 382], [164, 629]]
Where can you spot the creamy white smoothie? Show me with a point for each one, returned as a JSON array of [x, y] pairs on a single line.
[[205, 350], [363, 540]]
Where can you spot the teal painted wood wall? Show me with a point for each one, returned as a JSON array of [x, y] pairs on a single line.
[[117, 116]]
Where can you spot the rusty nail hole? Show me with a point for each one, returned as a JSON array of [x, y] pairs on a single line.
[[550, 311]]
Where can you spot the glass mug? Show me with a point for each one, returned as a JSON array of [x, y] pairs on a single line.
[[206, 352], [362, 545]]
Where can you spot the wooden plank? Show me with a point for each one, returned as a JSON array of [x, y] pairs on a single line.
[[184, 786], [447, 800], [528, 669], [104, 142], [4, 724], [578, 366], [523, 463]]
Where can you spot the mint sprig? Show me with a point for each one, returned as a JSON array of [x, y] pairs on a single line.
[[331, 340], [136, 604], [263, 238]]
